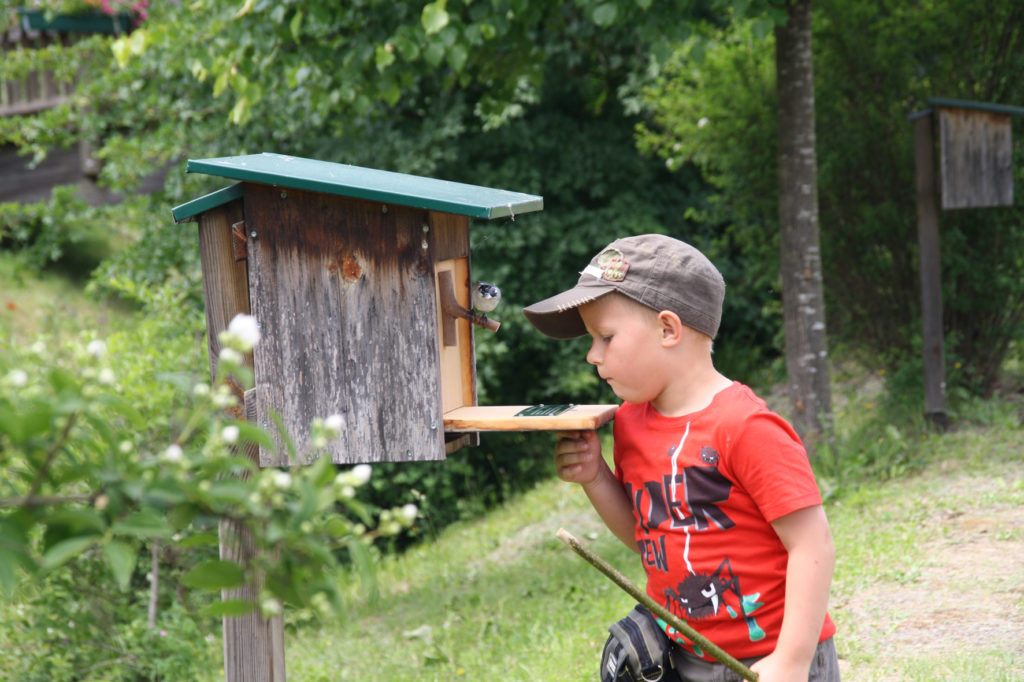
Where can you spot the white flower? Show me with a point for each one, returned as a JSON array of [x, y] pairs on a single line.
[[703, 122], [334, 424], [282, 479], [96, 348], [201, 390], [243, 333], [229, 434], [270, 607], [361, 473], [173, 453], [230, 356], [410, 512], [106, 376], [126, 446], [17, 377]]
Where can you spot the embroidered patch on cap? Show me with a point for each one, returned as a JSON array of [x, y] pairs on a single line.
[[613, 265]]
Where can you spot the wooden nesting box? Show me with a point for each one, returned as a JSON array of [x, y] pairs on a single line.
[[976, 153], [360, 281]]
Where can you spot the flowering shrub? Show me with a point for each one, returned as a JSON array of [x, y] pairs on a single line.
[[115, 478]]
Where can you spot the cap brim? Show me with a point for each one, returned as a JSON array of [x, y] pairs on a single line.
[[559, 316]]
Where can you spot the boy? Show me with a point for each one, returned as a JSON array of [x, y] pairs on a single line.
[[710, 487]]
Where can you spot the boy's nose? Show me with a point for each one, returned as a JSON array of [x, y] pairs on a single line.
[[593, 356]]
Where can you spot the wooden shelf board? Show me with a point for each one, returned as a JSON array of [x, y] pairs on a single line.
[[502, 418]]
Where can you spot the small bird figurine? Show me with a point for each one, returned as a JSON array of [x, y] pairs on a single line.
[[486, 296]]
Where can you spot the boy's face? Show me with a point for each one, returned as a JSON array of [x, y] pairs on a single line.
[[626, 347]]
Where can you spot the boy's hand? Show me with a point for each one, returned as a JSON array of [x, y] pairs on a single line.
[[773, 668], [578, 456], [578, 460]]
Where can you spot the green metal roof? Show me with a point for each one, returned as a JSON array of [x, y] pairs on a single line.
[[367, 183], [945, 103], [204, 203], [983, 106]]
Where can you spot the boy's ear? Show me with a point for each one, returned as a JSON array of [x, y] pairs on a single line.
[[671, 329]]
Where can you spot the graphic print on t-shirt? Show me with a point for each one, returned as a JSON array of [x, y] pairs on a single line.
[[688, 500]]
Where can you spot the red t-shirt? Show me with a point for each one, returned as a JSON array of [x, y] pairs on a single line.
[[705, 488]]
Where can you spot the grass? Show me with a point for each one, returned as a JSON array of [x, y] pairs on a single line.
[[34, 304], [502, 597]]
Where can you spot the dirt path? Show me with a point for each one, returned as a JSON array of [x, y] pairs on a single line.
[[967, 595]]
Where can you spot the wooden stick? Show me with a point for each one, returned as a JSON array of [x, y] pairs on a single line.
[[656, 608]]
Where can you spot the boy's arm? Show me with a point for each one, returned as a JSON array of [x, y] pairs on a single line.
[[806, 536], [578, 459]]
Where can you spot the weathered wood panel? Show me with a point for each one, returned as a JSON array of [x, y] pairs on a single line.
[[344, 293], [976, 158]]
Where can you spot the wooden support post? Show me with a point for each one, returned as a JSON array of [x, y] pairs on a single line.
[[929, 265], [253, 647]]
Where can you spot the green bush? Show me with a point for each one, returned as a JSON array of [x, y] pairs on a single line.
[[112, 446], [64, 231]]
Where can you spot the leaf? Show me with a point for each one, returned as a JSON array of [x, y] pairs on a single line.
[[251, 433], [214, 574], [210, 538], [143, 524], [434, 54], [78, 519], [239, 113], [229, 607], [434, 17], [66, 550], [8, 578], [121, 558], [122, 51], [384, 57], [457, 56], [295, 26], [363, 561], [19, 427], [604, 15], [245, 9]]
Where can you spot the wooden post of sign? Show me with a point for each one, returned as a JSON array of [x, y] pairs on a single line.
[[931, 284], [253, 646]]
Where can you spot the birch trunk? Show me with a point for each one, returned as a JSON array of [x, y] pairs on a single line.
[[802, 292]]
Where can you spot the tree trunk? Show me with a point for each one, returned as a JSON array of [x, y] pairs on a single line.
[[802, 293]]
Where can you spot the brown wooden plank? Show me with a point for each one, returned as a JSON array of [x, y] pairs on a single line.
[[502, 418], [449, 235], [929, 264], [344, 292], [457, 372], [225, 284]]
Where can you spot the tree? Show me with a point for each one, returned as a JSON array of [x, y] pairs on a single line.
[[800, 262]]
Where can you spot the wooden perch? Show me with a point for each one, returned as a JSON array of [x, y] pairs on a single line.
[[657, 609], [451, 309]]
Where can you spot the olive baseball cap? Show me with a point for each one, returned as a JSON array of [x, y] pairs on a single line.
[[658, 271]]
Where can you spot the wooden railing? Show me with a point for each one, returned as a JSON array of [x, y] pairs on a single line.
[[37, 90]]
